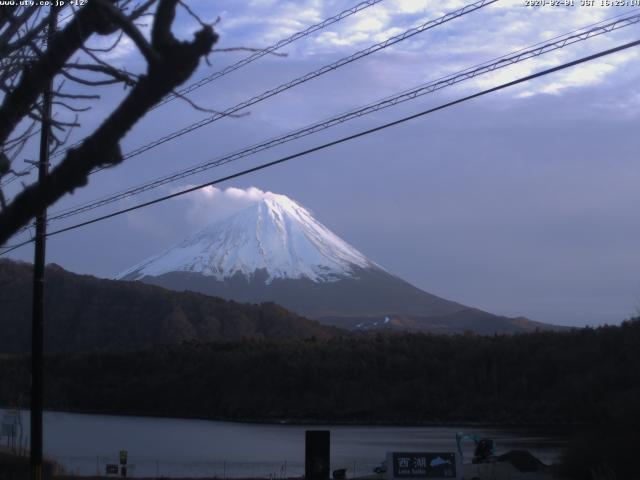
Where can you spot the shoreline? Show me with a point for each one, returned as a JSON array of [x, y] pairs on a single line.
[[317, 422]]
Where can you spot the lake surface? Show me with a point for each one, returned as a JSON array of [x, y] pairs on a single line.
[[84, 444]]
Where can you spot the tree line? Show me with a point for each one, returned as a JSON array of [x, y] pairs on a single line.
[[580, 376], [589, 378]]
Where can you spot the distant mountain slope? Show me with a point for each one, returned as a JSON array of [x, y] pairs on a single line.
[[85, 313], [365, 292], [275, 250], [468, 320]]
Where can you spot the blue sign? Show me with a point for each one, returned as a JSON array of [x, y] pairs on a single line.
[[424, 465]]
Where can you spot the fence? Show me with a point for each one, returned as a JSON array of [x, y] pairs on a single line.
[[144, 467]]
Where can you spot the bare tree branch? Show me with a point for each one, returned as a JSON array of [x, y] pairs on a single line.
[[207, 110], [87, 82], [14, 26], [130, 29], [16, 105], [193, 14], [141, 10], [109, 48], [117, 74], [175, 63], [29, 37], [71, 107], [76, 96]]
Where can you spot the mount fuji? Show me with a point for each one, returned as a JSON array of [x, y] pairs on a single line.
[[276, 251], [276, 236]]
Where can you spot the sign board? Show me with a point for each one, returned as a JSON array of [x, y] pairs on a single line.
[[123, 457], [421, 465], [112, 469]]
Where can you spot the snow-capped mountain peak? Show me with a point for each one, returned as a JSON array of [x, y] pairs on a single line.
[[276, 235]]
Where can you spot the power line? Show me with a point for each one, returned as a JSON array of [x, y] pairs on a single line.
[[255, 56], [293, 83], [314, 74], [342, 140], [259, 54], [270, 49], [11, 248], [472, 7], [441, 83]]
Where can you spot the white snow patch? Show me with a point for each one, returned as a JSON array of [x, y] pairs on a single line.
[[276, 234]]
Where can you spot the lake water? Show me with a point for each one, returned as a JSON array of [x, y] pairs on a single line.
[[84, 444]]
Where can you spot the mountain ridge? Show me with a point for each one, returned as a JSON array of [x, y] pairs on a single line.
[[85, 313], [275, 234], [275, 250]]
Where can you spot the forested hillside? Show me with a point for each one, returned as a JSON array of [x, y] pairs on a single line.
[[85, 313], [581, 376]]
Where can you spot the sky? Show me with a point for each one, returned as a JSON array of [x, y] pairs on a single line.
[[521, 202]]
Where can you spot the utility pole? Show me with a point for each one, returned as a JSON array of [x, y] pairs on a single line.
[[37, 320]]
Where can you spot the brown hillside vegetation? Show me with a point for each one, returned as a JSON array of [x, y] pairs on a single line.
[[84, 313]]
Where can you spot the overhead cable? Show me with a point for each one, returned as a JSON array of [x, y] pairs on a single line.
[[339, 141]]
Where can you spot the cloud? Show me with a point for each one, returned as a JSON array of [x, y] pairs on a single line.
[[192, 212], [335, 39], [585, 75], [251, 194], [211, 204], [479, 36], [408, 6]]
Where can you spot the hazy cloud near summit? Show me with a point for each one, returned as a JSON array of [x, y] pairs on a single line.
[[211, 204]]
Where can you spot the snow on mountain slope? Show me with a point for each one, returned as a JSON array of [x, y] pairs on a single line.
[[276, 234]]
